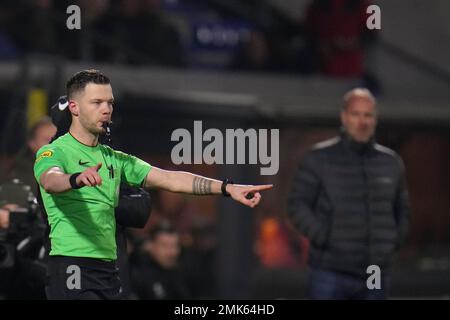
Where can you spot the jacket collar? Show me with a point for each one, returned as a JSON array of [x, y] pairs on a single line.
[[360, 148]]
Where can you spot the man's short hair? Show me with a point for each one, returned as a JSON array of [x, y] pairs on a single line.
[[42, 122], [163, 227], [81, 79], [358, 93]]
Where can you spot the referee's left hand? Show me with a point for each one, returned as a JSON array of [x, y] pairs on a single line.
[[247, 194]]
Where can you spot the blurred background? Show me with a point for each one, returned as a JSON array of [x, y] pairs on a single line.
[[266, 64]]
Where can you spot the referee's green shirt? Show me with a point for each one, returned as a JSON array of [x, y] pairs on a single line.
[[82, 221]]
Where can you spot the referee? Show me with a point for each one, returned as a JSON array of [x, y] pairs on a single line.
[[79, 180]]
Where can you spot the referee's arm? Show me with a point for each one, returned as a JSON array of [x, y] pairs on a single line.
[[186, 182], [54, 180]]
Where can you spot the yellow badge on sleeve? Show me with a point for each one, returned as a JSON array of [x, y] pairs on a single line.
[[44, 154]]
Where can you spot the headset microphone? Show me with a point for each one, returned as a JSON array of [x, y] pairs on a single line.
[[106, 139]]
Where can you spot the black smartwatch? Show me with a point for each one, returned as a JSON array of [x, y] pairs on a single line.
[[224, 187], [73, 181]]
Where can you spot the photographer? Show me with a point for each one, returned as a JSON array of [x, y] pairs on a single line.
[[22, 228], [22, 252]]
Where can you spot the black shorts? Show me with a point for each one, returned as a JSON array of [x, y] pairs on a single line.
[[74, 278]]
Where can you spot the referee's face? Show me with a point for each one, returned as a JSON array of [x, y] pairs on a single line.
[[95, 107]]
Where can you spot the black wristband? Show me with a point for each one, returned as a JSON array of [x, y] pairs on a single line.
[[224, 187], [73, 181]]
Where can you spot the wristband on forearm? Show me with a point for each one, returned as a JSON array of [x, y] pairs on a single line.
[[73, 181], [224, 187]]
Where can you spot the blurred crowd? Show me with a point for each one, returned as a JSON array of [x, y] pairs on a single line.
[[126, 32], [330, 39]]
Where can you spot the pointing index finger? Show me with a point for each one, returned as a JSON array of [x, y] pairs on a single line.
[[262, 187]]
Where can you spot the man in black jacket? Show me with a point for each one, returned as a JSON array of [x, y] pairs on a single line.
[[349, 198]]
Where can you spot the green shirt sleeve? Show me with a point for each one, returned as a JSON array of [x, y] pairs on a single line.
[[134, 170], [48, 156]]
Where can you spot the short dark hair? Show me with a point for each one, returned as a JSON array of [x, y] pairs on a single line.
[[162, 227], [80, 79]]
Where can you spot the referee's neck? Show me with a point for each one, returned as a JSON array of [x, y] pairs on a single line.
[[83, 136]]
